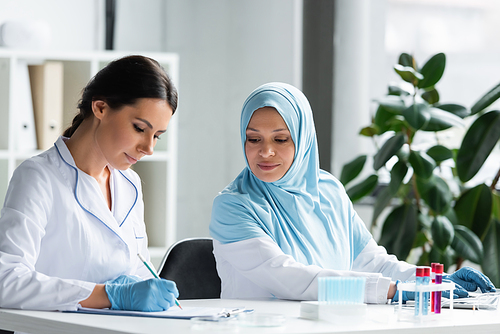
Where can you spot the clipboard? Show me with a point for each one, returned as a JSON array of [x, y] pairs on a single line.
[[171, 313]]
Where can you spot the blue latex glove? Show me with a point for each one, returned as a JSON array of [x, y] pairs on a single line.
[[458, 292], [407, 295], [470, 279], [151, 295], [124, 279]]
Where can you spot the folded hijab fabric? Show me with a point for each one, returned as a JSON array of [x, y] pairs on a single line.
[[307, 212]]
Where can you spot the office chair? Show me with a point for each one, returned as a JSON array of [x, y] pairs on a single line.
[[190, 263]]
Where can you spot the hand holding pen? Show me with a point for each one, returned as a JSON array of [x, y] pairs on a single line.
[[152, 295], [132, 293], [150, 268]]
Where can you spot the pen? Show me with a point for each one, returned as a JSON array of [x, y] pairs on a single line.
[[155, 274], [234, 311]]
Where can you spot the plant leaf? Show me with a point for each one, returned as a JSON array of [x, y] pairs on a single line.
[[486, 100], [422, 164], [473, 209], [363, 188], [399, 230], [455, 109], [408, 74], [404, 152], [431, 96], [496, 205], [452, 216], [491, 260], [445, 257], [396, 90], [390, 148], [477, 144], [439, 153], [383, 199], [442, 232], [382, 118], [424, 221], [432, 70], [398, 173], [442, 120], [467, 245], [423, 260], [391, 103], [397, 124], [407, 60], [352, 169], [420, 240], [369, 131], [417, 115], [436, 193]]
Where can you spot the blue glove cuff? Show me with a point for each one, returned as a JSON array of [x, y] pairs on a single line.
[[109, 291], [395, 299]]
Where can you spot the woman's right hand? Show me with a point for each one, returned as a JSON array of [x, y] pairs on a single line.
[[151, 295]]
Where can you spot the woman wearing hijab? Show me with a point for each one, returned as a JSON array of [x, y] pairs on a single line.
[[284, 222]]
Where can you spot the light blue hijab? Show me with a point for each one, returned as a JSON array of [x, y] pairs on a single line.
[[307, 212]]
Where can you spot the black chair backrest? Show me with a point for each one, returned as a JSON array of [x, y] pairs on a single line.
[[190, 263]]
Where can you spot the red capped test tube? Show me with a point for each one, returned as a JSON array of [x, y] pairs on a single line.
[[433, 277], [439, 280]]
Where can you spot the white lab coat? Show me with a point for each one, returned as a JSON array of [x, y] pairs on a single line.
[[257, 268], [58, 237]]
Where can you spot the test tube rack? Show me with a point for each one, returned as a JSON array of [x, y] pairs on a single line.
[[420, 289]]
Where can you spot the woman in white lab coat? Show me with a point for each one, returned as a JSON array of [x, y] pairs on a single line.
[[72, 222], [284, 222]]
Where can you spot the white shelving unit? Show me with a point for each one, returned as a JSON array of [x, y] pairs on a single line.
[[158, 172]]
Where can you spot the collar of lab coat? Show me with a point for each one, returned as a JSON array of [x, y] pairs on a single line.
[[90, 198]]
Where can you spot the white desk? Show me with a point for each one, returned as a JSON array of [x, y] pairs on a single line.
[[379, 319]]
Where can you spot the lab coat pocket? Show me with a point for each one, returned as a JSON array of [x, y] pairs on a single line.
[[140, 238]]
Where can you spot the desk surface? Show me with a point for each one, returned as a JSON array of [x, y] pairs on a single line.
[[378, 319]]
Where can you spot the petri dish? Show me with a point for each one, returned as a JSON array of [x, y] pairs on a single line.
[[261, 320], [219, 324]]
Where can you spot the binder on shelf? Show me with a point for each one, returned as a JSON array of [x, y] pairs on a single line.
[[47, 91], [24, 123]]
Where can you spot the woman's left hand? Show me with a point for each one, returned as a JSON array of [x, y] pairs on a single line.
[[470, 279]]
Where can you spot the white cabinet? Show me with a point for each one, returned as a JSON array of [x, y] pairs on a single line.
[[158, 172]]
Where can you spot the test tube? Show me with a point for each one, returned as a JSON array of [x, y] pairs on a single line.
[[426, 295], [433, 276], [419, 280], [439, 280]]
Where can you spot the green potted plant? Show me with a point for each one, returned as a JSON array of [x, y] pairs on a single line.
[[432, 206]]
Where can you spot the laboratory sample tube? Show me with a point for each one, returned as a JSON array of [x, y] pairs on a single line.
[[439, 280], [433, 275], [419, 280], [426, 295]]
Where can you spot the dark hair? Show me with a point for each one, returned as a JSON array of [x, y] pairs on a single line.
[[121, 83]]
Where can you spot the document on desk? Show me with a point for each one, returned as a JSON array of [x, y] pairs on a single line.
[[477, 301], [172, 313]]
